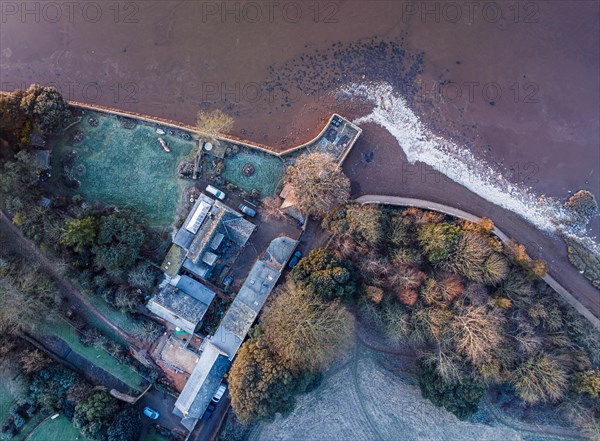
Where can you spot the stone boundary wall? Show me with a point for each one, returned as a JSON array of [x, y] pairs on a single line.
[[232, 139]]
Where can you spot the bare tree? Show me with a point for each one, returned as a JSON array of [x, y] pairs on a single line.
[[271, 208], [408, 296], [446, 363], [318, 183], [306, 332], [396, 323], [213, 123], [477, 331], [540, 378], [34, 360], [403, 276]]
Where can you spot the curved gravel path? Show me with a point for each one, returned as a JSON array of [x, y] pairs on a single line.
[[590, 297]]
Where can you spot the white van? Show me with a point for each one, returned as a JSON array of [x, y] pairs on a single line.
[[215, 192]]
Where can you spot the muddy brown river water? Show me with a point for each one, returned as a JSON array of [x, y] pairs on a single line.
[[518, 82]]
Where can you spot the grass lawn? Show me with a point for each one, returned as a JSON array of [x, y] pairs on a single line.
[[268, 172], [118, 318], [59, 429], [6, 400], [98, 357], [123, 167]]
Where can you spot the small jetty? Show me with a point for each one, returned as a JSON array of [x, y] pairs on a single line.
[[164, 145]]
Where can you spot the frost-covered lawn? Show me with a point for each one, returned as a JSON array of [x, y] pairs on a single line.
[[59, 429], [124, 167], [268, 172], [361, 399]]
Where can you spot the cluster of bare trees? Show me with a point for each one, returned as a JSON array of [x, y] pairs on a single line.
[[301, 334], [28, 298], [475, 306]]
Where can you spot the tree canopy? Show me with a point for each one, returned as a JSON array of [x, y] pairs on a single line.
[[80, 233], [459, 397], [94, 415], [44, 106], [120, 238], [362, 222], [305, 332], [318, 183], [126, 426], [259, 385], [325, 275]]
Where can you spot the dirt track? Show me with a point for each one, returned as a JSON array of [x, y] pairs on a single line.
[[25, 247]]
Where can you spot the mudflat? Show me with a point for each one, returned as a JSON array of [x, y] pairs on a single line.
[[517, 82]]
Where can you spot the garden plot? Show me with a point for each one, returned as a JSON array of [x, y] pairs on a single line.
[[254, 171], [122, 166]]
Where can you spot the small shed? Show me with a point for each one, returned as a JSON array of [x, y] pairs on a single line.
[[209, 258], [42, 159]]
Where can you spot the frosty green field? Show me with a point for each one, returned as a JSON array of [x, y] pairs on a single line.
[[124, 167], [367, 397]]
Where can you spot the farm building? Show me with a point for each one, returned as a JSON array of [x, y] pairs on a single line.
[[197, 245], [182, 302], [224, 344]]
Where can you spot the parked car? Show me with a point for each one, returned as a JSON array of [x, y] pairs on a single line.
[[209, 411], [228, 281], [295, 259], [215, 192], [220, 392], [151, 413], [251, 212]]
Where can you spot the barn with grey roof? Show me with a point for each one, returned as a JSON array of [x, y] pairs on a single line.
[[227, 339]]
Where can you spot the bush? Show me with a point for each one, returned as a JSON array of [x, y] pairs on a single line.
[[588, 382], [127, 300], [460, 397], [325, 275], [18, 421], [92, 337], [148, 330], [142, 276], [49, 386]]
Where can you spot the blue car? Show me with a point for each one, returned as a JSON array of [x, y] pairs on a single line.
[[151, 413], [295, 259], [209, 411]]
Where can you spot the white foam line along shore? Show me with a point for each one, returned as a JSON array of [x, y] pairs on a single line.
[[458, 163]]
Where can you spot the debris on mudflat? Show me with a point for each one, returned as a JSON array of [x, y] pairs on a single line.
[[164, 145]]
